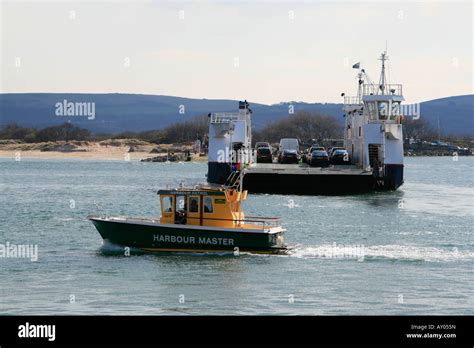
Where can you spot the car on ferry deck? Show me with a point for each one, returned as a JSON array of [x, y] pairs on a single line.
[[309, 152], [264, 155], [266, 144], [319, 158], [339, 157], [289, 151], [332, 149]]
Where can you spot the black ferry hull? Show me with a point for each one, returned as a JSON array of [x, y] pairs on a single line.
[[306, 184], [156, 237], [332, 183]]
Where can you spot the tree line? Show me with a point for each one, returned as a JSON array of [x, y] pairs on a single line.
[[66, 131], [304, 125]]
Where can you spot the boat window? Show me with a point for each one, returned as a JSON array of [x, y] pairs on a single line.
[[193, 204], [207, 204], [372, 111], [383, 110], [167, 204], [180, 203], [395, 110]]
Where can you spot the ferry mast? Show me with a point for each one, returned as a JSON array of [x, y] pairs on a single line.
[[382, 80]]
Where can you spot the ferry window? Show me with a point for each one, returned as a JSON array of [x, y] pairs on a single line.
[[207, 204], [372, 111], [167, 204], [180, 203], [193, 204], [383, 110], [395, 110]]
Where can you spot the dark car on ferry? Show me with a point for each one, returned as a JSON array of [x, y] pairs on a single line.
[[319, 158], [309, 152], [264, 155], [289, 151], [332, 149], [339, 157], [260, 144], [289, 156]]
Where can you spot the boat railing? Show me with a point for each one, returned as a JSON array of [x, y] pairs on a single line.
[[264, 222], [225, 117], [389, 89], [352, 100]]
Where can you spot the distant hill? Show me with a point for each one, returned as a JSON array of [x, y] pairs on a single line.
[[136, 112], [455, 114]]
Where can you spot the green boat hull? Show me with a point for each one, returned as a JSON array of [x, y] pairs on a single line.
[[185, 238]]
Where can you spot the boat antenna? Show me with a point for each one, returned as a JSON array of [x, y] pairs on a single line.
[[383, 78]]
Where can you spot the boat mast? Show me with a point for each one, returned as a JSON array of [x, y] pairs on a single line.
[[360, 83], [383, 78]]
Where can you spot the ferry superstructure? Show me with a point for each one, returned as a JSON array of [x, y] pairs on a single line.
[[373, 133]]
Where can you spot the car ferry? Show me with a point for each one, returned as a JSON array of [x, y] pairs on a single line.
[[373, 139], [200, 220]]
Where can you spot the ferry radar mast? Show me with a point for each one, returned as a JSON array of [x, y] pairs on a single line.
[[383, 78]]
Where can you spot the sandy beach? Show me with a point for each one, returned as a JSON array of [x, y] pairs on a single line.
[[109, 150]]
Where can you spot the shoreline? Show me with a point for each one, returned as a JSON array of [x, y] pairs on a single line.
[[101, 156], [110, 154], [133, 150], [84, 156]]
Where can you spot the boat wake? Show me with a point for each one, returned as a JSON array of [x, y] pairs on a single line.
[[382, 252], [358, 253]]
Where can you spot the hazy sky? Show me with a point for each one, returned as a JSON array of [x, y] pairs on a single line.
[[267, 51]]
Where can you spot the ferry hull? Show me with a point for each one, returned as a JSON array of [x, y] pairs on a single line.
[[182, 238], [307, 184], [393, 176], [286, 180]]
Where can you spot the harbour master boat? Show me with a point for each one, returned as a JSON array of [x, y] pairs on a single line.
[[199, 219]]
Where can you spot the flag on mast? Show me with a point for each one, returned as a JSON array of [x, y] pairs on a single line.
[[356, 66]]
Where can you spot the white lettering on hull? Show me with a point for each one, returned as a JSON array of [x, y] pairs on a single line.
[[164, 238]]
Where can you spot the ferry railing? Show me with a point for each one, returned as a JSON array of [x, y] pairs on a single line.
[[225, 117], [350, 100], [389, 89]]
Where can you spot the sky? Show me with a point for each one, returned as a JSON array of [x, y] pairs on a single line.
[[263, 51]]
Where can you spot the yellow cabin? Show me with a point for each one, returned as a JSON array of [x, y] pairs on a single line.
[[203, 207]]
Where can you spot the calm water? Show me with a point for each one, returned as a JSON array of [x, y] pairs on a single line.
[[418, 246]]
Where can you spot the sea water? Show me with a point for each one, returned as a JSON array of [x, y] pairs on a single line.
[[405, 252]]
